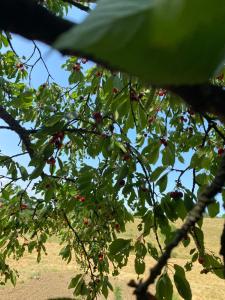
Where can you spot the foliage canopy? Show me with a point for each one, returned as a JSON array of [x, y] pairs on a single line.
[[110, 147]]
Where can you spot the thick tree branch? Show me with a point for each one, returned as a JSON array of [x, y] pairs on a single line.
[[203, 98], [15, 126], [204, 199], [27, 18]]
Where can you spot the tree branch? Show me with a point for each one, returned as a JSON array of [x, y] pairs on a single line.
[[203, 98], [77, 5], [31, 20], [204, 199], [15, 126]]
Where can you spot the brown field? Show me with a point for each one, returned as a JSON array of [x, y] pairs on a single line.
[[49, 279]]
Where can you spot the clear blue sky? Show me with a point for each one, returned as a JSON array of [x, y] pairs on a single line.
[[8, 140]]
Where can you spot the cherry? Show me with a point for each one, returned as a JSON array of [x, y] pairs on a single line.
[[201, 260], [117, 227], [58, 145], [162, 92], [23, 206], [100, 257], [82, 199], [144, 189], [20, 66], [97, 116], [220, 77], [182, 119], [176, 195], [98, 74], [85, 221], [76, 67], [51, 161], [133, 96], [126, 157], [84, 60], [151, 120], [191, 112], [220, 151], [204, 271], [115, 90], [122, 182], [163, 142]]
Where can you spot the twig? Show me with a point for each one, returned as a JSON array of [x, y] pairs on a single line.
[[204, 199]]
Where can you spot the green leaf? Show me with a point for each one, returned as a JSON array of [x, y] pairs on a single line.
[[156, 173], [168, 155], [162, 183], [139, 266], [182, 285], [74, 281], [166, 37], [213, 209], [118, 246], [164, 288], [37, 171]]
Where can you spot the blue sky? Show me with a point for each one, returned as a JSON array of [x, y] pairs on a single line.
[[8, 140]]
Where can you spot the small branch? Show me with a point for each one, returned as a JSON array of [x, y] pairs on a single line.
[[203, 98], [77, 5]]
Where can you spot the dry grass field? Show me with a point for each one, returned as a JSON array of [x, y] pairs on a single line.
[[49, 279]]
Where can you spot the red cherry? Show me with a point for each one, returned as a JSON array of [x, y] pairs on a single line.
[[76, 67], [98, 74], [117, 227], [133, 96], [97, 116], [220, 151], [122, 182], [85, 221], [201, 260], [163, 142], [84, 60], [190, 111], [20, 66], [51, 161], [151, 120], [176, 195], [220, 77], [115, 90], [100, 257], [182, 119], [58, 145], [204, 271], [23, 206], [126, 157], [82, 199], [162, 92]]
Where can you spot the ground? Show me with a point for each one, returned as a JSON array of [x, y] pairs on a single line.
[[49, 279]]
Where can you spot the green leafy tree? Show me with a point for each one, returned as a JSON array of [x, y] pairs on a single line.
[[125, 113]]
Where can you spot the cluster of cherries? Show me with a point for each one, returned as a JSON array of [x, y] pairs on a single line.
[[97, 116], [57, 139], [164, 142], [176, 195], [221, 151], [80, 198]]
